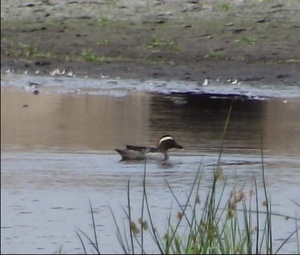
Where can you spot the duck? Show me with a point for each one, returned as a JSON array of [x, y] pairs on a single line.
[[134, 152]]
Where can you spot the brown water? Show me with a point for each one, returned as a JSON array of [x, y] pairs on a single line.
[[58, 153]]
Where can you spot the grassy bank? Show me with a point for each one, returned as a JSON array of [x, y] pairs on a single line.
[[176, 32]]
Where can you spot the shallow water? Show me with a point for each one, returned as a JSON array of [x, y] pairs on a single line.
[[58, 153]]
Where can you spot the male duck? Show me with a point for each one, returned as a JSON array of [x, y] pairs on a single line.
[[132, 152]]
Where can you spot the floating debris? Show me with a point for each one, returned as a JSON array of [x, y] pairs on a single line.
[[70, 74], [77, 91], [205, 83], [234, 82], [57, 72]]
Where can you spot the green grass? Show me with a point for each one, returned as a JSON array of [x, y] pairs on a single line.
[[105, 22], [158, 43], [224, 6], [290, 61], [101, 42], [219, 224], [28, 51], [90, 56], [215, 55], [246, 40], [31, 51]]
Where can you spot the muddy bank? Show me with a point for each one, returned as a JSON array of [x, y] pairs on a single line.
[[252, 41]]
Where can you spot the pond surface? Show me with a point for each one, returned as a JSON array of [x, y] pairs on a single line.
[[57, 154]]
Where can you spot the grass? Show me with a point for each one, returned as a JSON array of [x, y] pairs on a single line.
[[215, 55], [224, 6], [29, 51], [102, 42], [218, 224], [105, 22], [246, 40], [290, 61], [158, 43], [89, 56]]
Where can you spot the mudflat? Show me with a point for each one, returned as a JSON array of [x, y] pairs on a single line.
[[249, 40]]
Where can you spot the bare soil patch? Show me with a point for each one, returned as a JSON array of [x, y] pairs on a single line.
[[253, 41]]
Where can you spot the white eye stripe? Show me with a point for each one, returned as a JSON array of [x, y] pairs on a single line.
[[165, 139]]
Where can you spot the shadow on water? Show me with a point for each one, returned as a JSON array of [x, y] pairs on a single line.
[[58, 152], [89, 122], [199, 120]]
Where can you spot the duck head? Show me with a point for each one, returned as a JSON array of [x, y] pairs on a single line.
[[165, 143]]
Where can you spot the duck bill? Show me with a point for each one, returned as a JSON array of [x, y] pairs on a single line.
[[176, 145]]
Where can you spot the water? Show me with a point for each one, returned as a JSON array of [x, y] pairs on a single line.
[[57, 154]]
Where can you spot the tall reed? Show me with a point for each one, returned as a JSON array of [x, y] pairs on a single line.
[[219, 224]]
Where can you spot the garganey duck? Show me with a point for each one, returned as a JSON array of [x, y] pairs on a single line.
[[133, 152]]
